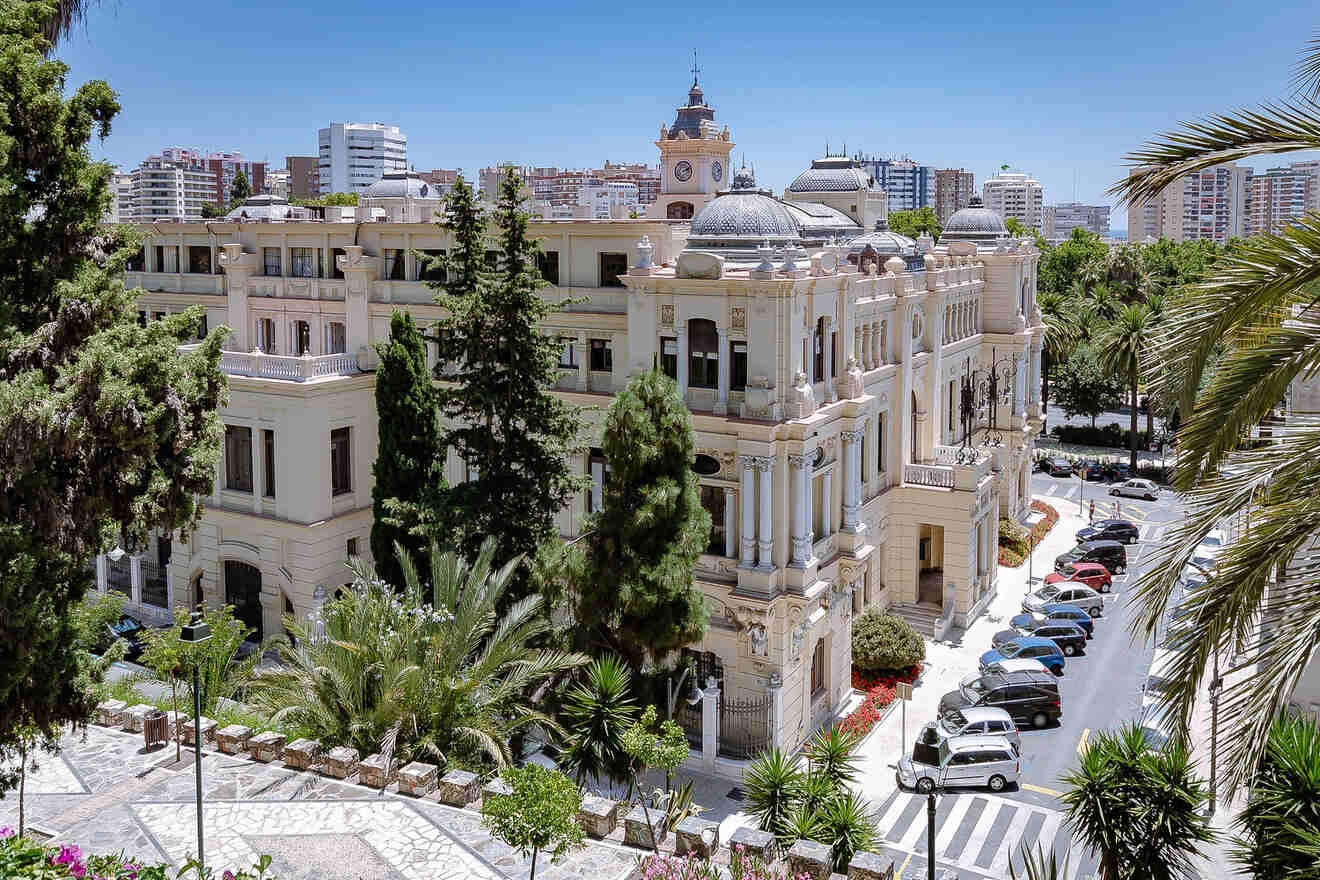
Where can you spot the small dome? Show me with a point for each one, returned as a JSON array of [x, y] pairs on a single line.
[[743, 215], [831, 174], [975, 223], [883, 241], [398, 184]]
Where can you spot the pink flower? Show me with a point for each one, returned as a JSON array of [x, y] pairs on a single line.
[[227, 875], [7, 832]]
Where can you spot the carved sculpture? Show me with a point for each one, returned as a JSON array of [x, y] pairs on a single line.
[[803, 400]]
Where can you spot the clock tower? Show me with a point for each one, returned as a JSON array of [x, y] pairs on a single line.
[[694, 159]]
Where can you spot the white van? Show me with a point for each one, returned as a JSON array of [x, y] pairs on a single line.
[[986, 761]]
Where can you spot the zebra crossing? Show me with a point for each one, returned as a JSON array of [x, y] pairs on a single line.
[[978, 832]]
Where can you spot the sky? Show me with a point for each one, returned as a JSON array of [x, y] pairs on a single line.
[[1060, 90]]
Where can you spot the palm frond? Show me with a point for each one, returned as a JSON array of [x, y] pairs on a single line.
[[1306, 76]]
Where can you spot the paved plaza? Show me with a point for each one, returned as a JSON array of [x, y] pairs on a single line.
[[106, 794]]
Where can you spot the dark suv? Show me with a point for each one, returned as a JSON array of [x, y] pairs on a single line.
[[1110, 554], [1029, 697], [1110, 530]]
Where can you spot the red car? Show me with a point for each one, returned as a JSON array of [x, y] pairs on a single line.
[[1093, 574]]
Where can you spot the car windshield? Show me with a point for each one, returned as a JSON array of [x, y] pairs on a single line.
[[952, 723], [125, 626], [1010, 649], [1155, 740], [1211, 540], [1048, 592], [972, 689]]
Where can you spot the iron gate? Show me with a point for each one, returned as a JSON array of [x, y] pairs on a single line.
[[744, 727]]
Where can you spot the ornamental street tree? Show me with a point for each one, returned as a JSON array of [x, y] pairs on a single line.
[[538, 815], [1083, 387], [634, 590], [409, 466], [913, 223], [512, 434], [111, 433], [649, 747]]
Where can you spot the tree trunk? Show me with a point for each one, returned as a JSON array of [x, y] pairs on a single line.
[[22, 782], [174, 704], [532, 876], [1133, 434], [637, 782]]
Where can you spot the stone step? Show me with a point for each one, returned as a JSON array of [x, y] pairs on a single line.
[[922, 618]]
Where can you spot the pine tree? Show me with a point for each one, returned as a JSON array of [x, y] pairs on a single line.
[[409, 467], [111, 433], [239, 190], [512, 433], [634, 591]]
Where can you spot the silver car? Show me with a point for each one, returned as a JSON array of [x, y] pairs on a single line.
[[1073, 593], [986, 761], [1136, 489], [986, 720]]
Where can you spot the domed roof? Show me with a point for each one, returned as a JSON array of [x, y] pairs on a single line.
[[398, 184], [975, 223], [883, 241], [743, 215], [831, 174]]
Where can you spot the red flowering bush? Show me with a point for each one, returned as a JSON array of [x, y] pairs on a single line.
[[1010, 557], [880, 692]]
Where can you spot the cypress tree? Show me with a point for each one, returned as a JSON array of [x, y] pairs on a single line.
[[634, 591], [409, 466], [500, 417]]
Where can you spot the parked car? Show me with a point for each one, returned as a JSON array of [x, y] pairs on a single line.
[[1093, 574], [1031, 698], [1137, 488], [1027, 623], [1090, 470], [1212, 543], [1044, 650], [1158, 678], [1156, 727], [1065, 593], [128, 628], [1118, 471], [1010, 665], [1070, 613], [1194, 572], [1122, 530], [1110, 554], [981, 720], [1057, 467], [984, 761]]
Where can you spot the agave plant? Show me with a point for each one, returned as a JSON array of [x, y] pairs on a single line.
[[429, 671], [848, 826], [1037, 866], [1281, 822]]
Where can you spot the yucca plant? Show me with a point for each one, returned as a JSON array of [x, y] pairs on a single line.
[[848, 826], [830, 754], [774, 783], [596, 712], [1037, 866], [1280, 826]]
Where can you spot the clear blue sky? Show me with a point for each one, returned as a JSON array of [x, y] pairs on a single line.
[[1061, 90]]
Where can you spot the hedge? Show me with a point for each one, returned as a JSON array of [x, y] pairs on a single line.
[[1012, 557], [885, 643], [22, 858], [1104, 435]]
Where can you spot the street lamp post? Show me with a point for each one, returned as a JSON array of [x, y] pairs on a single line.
[[195, 633], [1216, 684], [930, 835]]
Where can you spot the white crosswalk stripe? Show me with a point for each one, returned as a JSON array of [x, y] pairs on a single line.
[[1012, 817], [1054, 487]]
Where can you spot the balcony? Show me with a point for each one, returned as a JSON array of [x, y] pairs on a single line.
[[176, 282], [945, 471], [288, 368]]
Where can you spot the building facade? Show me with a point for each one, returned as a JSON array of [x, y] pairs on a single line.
[[954, 189], [909, 185], [822, 361], [1062, 219], [225, 165], [164, 190], [354, 155], [1281, 195], [1210, 204], [304, 176], [1017, 195], [694, 159]]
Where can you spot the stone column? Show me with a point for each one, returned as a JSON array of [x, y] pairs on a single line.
[[135, 575], [258, 469], [359, 270], [766, 541], [730, 545], [748, 501], [584, 361], [169, 587], [239, 267], [100, 573], [867, 362], [852, 478], [775, 688], [798, 465], [827, 504], [710, 724], [830, 396], [726, 358], [857, 344], [682, 340]]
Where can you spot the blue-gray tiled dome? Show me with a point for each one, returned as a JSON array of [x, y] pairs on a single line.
[[743, 215], [831, 174], [397, 184], [975, 223]]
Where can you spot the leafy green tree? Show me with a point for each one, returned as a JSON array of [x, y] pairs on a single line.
[[913, 223], [538, 815], [17, 759], [1170, 264], [1083, 387], [634, 592], [92, 618], [649, 747], [84, 391], [1063, 264], [1280, 824], [166, 655], [240, 190], [512, 433], [409, 468], [596, 713], [210, 210], [1121, 350], [1138, 809], [1015, 227]]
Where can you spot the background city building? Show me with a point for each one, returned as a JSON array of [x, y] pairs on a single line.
[[1017, 195], [166, 190], [1063, 218], [304, 176], [908, 184], [1280, 195], [277, 182], [444, 178], [225, 165], [1209, 204], [954, 188], [354, 155]]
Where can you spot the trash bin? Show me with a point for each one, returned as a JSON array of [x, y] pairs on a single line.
[[156, 729]]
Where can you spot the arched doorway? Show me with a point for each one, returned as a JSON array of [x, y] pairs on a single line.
[[243, 591], [679, 211]]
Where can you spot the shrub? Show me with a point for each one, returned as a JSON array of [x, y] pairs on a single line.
[[1012, 556], [24, 859], [1111, 435], [1012, 536], [883, 642]]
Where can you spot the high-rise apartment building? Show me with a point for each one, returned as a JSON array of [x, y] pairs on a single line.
[[1209, 204], [1062, 219], [646, 177], [1281, 195], [910, 185], [445, 178], [304, 176], [165, 190], [1017, 195], [121, 199], [1145, 216], [224, 164], [954, 189], [354, 155]]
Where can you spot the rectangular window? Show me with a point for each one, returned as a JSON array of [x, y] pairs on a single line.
[[612, 269], [568, 353], [598, 469], [953, 393], [818, 669], [712, 498], [426, 270], [158, 316], [396, 265], [271, 261], [268, 451], [201, 327], [199, 260], [302, 338], [304, 262], [602, 356], [351, 547], [336, 341], [142, 318], [669, 357], [335, 254], [266, 335], [160, 259], [738, 365], [548, 263], [341, 472], [880, 444], [238, 458], [137, 262]]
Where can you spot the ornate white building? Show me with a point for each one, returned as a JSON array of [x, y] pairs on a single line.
[[821, 356]]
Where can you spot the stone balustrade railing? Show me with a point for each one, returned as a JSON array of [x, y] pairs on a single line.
[[290, 368], [936, 476]]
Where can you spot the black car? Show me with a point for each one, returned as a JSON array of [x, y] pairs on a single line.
[[1028, 697], [1091, 470], [128, 628], [1110, 530], [1118, 471], [1110, 554], [1057, 467], [1070, 637]]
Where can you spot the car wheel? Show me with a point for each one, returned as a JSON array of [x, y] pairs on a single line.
[[1113, 491], [1099, 612], [1039, 720], [997, 783], [1069, 650], [1150, 497], [925, 785], [1120, 569], [1058, 673]]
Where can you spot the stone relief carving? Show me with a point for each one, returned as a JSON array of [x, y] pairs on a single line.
[[803, 402], [738, 318], [799, 635], [759, 639], [667, 315]]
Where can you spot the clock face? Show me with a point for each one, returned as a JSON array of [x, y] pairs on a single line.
[[717, 171], [683, 170]]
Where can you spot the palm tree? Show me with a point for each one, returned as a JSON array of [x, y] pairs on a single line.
[[1138, 809], [596, 713], [1121, 348], [425, 671], [67, 14], [1155, 313], [1058, 314], [1227, 351], [1281, 822]]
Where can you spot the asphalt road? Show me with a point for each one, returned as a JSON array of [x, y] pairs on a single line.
[[977, 833]]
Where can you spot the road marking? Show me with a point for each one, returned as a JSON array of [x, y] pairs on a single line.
[[952, 821], [1040, 789], [1081, 744], [899, 875], [979, 834], [1054, 487], [914, 832], [886, 823], [1012, 837]]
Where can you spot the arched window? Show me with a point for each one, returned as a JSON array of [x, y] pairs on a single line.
[[243, 591], [679, 211], [818, 669], [704, 354]]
